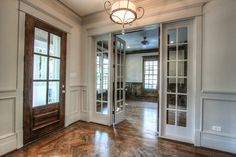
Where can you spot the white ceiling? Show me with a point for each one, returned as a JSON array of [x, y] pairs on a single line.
[[84, 7]]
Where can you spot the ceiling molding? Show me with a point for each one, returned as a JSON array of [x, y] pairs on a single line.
[[66, 6]]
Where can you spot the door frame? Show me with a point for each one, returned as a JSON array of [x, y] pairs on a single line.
[[31, 22]]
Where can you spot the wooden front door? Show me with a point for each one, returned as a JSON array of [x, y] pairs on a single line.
[[44, 79]]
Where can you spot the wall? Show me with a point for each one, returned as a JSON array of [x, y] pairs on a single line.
[[12, 20], [134, 66], [218, 94]]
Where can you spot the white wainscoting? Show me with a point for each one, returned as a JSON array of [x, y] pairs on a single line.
[[8, 138], [218, 111], [76, 109], [84, 114]]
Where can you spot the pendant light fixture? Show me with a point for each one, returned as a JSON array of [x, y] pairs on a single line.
[[123, 12]]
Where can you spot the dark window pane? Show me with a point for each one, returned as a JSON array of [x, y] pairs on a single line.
[[182, 85], [171, 101], [182, 102], [171, 85], [170, 117], [181, 119]]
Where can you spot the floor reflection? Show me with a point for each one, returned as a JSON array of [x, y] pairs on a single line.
[[143, 116]]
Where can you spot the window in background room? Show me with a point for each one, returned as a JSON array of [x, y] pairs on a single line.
[[150, 70]]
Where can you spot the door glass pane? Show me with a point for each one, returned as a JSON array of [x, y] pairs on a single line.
[[98, 106], [171, 101], [182, 102], [39, 93], [99, 46], [40, 67], [105, 108], [40, 41], [171, 68], [182, 68], [171, 53], [182, 85], [182, 37], [182, 52], [105, 95], [105, 45], [53, 92], [181, 119], [55, 45], [171, 36], [170, 117], [171, 85], [54, 68]]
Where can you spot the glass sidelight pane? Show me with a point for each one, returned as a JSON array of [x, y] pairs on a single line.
[[53, 92], [40, 41], [182, 68], [99, 95], [171, 36], [55, 45], [39, 93], [182, 102], [182, 85], [54, 68], [181, 119], [182, 37], [182, 52], [171, 53], [170, 117], [171, 101], [40, 67], [171, 85], [171, 68]]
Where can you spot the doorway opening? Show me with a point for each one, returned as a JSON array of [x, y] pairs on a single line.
[[138, 74]]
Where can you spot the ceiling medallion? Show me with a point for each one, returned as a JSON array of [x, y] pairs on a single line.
[[123, 12]]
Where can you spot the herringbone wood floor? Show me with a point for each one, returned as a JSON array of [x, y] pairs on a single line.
[[134, 137]]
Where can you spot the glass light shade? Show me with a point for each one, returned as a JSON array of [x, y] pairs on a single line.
[[123, 12]]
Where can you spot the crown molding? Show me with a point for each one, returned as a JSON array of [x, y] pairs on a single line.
[[57, 6]]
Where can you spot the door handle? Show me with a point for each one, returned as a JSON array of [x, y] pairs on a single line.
[[63, 91]]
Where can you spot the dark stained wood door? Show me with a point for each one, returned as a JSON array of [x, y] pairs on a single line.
[[44, 79]]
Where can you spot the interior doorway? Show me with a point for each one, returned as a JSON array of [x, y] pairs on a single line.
[[139, 77]]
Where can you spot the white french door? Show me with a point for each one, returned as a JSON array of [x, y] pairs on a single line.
[[119, 81], [177, 104], [102, 107]]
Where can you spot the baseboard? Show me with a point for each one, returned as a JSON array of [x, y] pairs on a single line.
[[7, 144], [219, 142], [73, 117]]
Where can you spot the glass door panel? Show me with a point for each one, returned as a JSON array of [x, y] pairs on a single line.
[[102, 76], [177, 62], [46, 67]]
